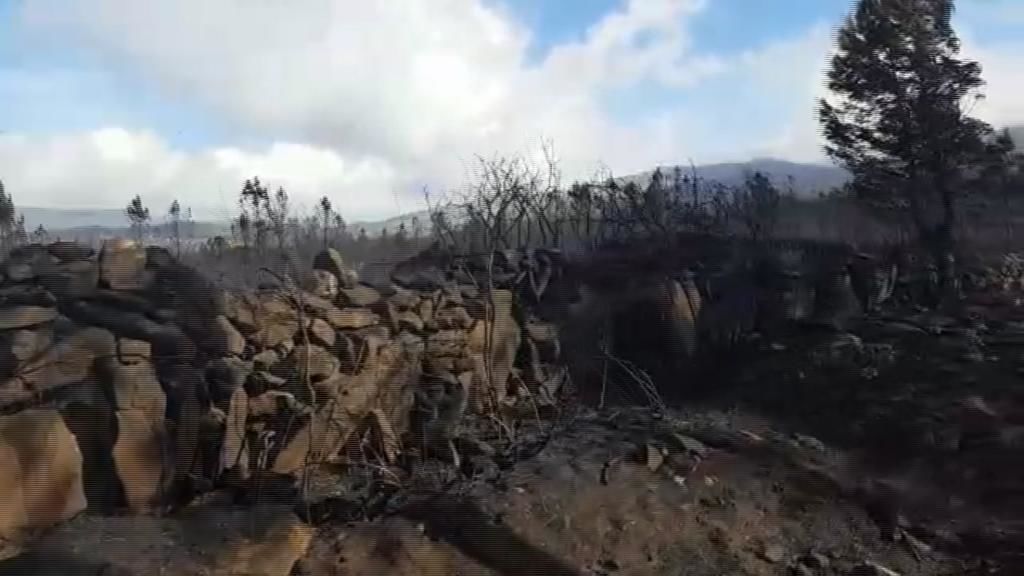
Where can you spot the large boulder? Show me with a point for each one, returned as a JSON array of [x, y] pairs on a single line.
[[360, 296], [324, 284], [544, 337], [424, 271], [123, 301], [225, 338], [18, 347], [320, 332], [242, 309], [123, 265], [316, 442], [40, 476], [26, 295], [408, 320], [310, 364], [385, 382], [168, 340], [133, 351], [70, 251], [132, 386], [75, 279], [425, 309], [404, 299], [274, 333], [493, 344], [28, 262], [492, 347], [681, 318], [139, 458], [25, 316], [185, 382], [268, 317], [234, 453], [64, 363], [331, 261], [352, 318], [225, 375]]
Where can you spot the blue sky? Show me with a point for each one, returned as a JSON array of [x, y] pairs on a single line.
[[174, 89]]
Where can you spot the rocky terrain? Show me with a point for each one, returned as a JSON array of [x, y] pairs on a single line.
[[511, 413]]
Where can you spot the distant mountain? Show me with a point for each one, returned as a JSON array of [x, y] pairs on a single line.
[[392, 224], [89, 225], [66, 219], [807, 179]]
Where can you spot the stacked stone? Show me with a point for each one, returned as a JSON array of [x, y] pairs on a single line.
[[129, 379], [91, 392], [40, 464], [321, 353], [481, 325]]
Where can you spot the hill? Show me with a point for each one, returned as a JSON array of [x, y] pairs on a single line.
[[808, 179]]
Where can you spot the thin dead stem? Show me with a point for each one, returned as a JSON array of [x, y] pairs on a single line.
[[641, 378]]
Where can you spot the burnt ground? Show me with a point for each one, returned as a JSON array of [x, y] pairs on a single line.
[[893, 448]]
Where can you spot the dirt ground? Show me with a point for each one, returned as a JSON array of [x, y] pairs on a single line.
[[891, 449]]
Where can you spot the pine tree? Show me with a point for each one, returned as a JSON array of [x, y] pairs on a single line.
[[191, 223], [417, 228], [277, 215], [138, 216], [20, 234], [40, 235], [8, 222], [362, 244], [401, 238], [253, 202], [174, 212], [325, 210], [900, 121]]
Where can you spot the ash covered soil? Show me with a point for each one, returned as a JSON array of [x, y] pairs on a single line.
[[890, 449]]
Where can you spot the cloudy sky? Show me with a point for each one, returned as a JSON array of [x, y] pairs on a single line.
[[368, 101]]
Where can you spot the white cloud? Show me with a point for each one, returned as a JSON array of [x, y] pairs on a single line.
[[104, 167], [424, 84], [791, 75], [1004, 81]]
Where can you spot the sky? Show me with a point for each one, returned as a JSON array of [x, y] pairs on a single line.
[[370, 102]]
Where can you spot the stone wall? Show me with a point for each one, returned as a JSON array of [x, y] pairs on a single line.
[[130, 381]]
